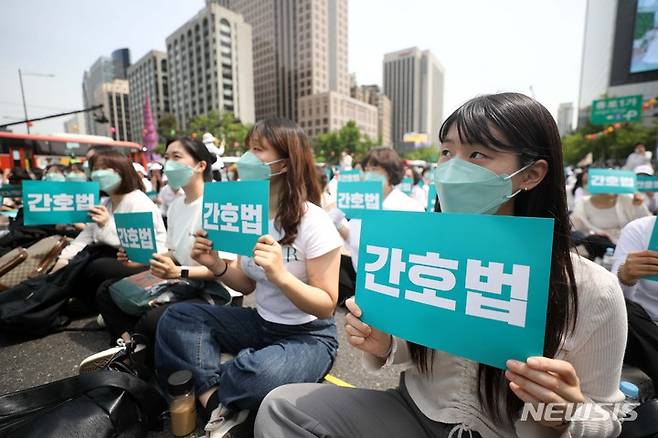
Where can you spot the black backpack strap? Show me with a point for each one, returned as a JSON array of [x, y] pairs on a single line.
[[22, 403]]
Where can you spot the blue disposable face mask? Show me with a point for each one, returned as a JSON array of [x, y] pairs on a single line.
[[108, 179], [374, 176], [251, 168], [76, 177], [464, 187], [57, 177], [178, 174]]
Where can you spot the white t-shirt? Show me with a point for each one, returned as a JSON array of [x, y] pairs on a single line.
[[167, 196], [586, 217], [395, 201], [184, 220], [316, 236], [635, 237], [148, 185], [418, 194], [133, 202]]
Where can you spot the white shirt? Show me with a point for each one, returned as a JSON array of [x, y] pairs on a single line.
[[595, 348], [316, 236], [396, 201], [419, 195], [635, 237], [184, 221], [148, 185], [635, 159], [167, 196], [133, 202], [588, 218]]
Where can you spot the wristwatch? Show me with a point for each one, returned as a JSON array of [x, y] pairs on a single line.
[[184, 273]]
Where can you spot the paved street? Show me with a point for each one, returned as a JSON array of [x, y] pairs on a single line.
[[28, 363]]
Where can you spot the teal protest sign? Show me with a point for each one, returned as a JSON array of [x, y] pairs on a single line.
[[431, 197], [50, 203], [354, 198], [406, 186], [611, 181], [236, 214], [9, 191], [647, 183], [456, 292], [653, 246], [137, 235], [352, 175]]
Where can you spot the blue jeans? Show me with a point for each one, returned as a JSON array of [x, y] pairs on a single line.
[[267, 355]]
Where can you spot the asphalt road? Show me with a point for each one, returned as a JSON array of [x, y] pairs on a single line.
[[26, 363]]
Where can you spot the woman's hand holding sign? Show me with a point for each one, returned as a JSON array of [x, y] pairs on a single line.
[[123, 258], [364, 337], [543, 380], [100, 215], [203, 253], [269, 256], [164, 267]]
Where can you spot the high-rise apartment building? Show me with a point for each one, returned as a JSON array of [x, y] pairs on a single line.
[[414, 81], [148, 78], [210, 65]]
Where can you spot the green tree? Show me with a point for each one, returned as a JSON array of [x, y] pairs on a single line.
[[427, 153], [167, 129], [223, 126], [615, 145], [328, 146]]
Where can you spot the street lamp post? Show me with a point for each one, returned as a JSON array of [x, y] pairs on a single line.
[[20, 79]]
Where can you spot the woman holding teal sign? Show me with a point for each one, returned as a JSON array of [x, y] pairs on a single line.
[[291, 335], [187, 167], [116, 177], [500, 154]]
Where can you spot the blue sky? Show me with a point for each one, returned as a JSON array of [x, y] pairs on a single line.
[[485, 46]]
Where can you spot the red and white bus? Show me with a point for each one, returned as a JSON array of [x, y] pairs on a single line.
[[38, 150]]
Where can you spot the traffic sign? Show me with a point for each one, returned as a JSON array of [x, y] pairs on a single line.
[[617, 109]]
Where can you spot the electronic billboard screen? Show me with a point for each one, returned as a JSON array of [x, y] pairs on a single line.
[[645, 37]]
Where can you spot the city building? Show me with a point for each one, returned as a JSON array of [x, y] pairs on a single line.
[[300, 49], [565, 118], [620, 54], [147, 78], [100, 72], [114, 98], [75, 124], [121, 61], [103, 71], [330, 111], [414, 81], [210, 66], [372, 95]]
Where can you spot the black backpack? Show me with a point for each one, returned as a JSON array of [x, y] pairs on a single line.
[[103, 404], [34, 307]]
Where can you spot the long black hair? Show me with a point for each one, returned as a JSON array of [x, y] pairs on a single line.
[[524, 126], [199, 152]]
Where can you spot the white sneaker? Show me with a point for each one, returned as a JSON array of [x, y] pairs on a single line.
[[101, 359], [223, 421]]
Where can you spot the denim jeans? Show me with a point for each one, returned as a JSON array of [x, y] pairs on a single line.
[[267, 355]]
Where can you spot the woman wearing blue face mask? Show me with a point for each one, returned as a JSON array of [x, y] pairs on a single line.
[[500, 154], [55, 173], [381, 164], [290, 336], [187, 167], [116, 177], [75, 173]]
